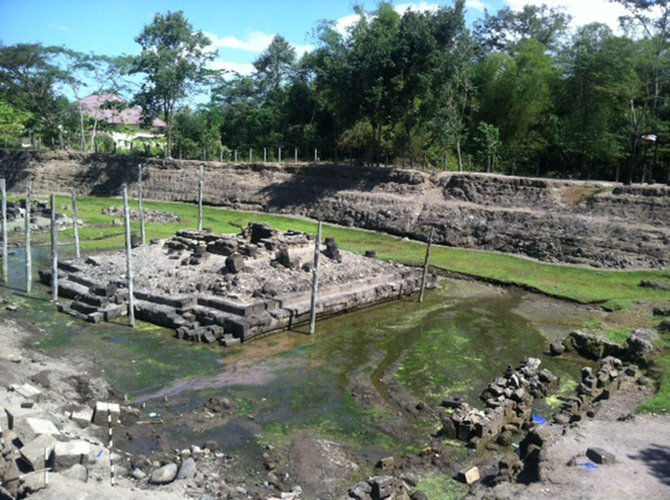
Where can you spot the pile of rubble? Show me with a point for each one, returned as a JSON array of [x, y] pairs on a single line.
[[508, 406], [35, 440], [40, 215], [230, 288], [150, 216]]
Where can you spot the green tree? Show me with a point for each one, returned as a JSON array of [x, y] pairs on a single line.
[[516, 94], [28, 80], [505, 29], [174, 59], [600, 84]]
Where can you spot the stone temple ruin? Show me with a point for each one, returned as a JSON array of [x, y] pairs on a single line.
[[230, 288]]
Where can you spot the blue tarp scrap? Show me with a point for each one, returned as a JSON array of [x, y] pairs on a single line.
[[537, 419], [588, 465]]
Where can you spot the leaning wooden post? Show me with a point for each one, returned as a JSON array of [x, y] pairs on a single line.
[[29, 272], [315, 281], [129, 260], [54, 251], [143, 232], [3, 189], [200, 188], [75, 225], [425, 265]]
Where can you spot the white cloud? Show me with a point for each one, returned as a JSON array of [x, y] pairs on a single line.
[[241, 68], [343, 24], [256, 41], [582, 11]]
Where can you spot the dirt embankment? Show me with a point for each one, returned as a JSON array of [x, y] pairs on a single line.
[[597, 224]]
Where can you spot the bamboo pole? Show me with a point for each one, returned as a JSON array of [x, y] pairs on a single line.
[[75, 225], [129, 260], [425, 265], [54, 251], [29, 271], [315, 281], [3, 190], [143, 232], [200, 189]]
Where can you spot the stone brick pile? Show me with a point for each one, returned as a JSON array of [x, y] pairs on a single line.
[[508, 406]]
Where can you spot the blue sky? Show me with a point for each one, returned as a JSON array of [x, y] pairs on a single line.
[[239, 29]]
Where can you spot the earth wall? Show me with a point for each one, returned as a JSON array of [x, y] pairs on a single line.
[[599, 224]]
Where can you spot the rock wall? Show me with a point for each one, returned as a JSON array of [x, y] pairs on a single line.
[[597, 224]]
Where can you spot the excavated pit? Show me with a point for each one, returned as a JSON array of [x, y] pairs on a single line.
[[230, 288]]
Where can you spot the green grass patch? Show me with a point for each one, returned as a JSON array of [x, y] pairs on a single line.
[[612, 289], [441, 487]]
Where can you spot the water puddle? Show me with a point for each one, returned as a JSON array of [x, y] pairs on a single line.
[[463, 335]]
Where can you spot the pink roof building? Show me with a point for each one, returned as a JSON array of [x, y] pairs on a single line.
[[104, 108]]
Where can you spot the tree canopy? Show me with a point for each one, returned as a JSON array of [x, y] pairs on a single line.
[[521, 92]]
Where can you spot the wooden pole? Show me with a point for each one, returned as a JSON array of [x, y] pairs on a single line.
[[295, 155], [425, 265], [251, 155], [200, 188], [315, 281], [143, 232], [265, 155], [316, 156], [29, 271], [54, 251], [236, 156], [3, 190], [279, 156], [129, 260], [75, 225]]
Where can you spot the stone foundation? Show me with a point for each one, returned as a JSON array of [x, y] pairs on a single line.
[[212, 287]]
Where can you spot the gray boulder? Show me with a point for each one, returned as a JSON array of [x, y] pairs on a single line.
[[187, 469], [164, 475]]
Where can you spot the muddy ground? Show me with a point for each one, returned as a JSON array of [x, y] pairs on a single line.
[[323, 468]]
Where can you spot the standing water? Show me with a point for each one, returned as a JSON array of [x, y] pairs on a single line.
[[462, 336]]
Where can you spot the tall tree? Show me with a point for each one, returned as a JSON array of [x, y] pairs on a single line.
[[174, 59], [505, 29], [28, 80], [275, 64]]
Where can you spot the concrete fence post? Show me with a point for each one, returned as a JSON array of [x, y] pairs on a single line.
[[29, 271], [425, 265], [75, 224], [54, 251], [3, 192], [140, 202], [265, 155], [316, 156], [129, 258], [315, 281], [251, 155], [279, 155], [201, 187]]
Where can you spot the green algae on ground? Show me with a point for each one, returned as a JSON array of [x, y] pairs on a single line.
[[441, 487]]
